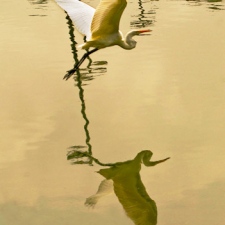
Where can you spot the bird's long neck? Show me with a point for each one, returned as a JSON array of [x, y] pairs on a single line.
[[125, 45], [128, 43], [139, 157], [145, 156]]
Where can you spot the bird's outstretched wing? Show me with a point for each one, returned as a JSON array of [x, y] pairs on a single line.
[[137, 204], [107, 17], [80, 13], [130, 190], [105, 188]]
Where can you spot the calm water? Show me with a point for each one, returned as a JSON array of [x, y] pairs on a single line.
[[167, 95]]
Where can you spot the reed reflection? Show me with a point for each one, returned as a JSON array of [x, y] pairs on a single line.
[[41, 5], [214, 5], [124, 179], [41, 2], [144, 18]]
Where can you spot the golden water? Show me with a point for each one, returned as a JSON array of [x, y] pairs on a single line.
[[166, 95]]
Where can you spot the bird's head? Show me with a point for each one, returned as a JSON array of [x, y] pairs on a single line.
[[145, 156], [131, 42]]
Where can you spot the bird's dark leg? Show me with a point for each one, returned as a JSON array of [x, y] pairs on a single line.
[[71, 72]]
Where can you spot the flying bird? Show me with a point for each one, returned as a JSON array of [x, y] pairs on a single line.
[[124, 178], [100, 26]]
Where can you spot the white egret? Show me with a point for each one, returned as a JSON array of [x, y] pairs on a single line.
[[124, 178], [100, 26]]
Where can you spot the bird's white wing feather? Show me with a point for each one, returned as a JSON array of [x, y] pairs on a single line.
[[80, 13], [107, 17], [105, 188]]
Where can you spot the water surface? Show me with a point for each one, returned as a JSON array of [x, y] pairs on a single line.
[[167, 95]]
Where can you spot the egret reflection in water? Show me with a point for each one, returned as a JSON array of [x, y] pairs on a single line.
[[124, 179]]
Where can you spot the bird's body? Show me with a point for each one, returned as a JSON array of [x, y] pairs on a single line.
[[100, 26], [105, 24], [131, 192], [125, 179]]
